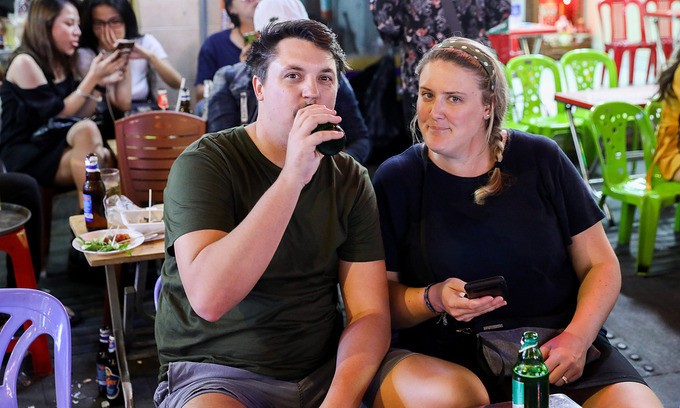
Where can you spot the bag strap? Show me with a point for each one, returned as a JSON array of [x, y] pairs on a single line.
[[451, 15]]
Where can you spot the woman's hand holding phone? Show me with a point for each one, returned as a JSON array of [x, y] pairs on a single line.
[[451, 296]]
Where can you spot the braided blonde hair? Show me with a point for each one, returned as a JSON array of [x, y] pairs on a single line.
[[480, 60]]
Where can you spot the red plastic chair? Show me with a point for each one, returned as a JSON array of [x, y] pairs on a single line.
[[666, 31], [617, 17], [15, 243], [506, 47], [40, 314]]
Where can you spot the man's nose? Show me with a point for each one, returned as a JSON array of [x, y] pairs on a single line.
[[310, 89]]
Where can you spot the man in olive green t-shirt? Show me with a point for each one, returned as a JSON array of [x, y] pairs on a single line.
[[260, 229]]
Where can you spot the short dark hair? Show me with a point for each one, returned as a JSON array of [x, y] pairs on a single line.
[[124, 9], [263, 50]]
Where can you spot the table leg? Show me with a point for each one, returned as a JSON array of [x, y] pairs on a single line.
[[581, 161], [524, 44], [117, 327], [538, 41], [577, 143]]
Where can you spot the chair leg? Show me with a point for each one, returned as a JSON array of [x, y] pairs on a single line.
[[631, 64], [652, 63], [649, 222], [626, 223]]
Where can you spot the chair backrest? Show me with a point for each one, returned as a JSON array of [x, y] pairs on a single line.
[[533, 80], [46, 315], [622, 21], [587, 68], [148, 143], [612, 122], [667, 26], [653, 110]]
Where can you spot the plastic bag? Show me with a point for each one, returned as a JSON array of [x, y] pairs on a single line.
[[116, 204]]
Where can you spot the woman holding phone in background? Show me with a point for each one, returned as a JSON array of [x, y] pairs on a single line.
[[105, 24], [42, 84]]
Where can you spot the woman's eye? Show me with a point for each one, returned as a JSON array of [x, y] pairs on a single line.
[[426, 95], [454, 98]]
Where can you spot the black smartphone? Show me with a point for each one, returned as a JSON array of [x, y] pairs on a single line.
[[493, 286], [125, 46]]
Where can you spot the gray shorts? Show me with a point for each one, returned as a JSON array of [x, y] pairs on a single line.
[[187, 380]]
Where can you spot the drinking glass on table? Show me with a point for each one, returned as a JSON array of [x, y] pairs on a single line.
[[111, 179]]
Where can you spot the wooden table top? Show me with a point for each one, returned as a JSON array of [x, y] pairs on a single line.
[[145, 252]]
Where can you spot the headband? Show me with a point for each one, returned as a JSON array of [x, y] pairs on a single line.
[[472, 51]]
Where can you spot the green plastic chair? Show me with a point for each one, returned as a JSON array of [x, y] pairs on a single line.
[[611, 122], [581, 66], [509, 121], [530, 71], [653, 110], [586, 69]]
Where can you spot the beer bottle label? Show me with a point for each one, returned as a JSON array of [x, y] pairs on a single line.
[[87, 207], [112, 384]]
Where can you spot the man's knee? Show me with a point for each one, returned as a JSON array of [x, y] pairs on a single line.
[[431, 382]]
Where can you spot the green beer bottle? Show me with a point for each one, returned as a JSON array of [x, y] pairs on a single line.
[[530, 384]]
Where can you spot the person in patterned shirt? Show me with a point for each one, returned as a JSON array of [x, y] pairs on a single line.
[[417, 25]]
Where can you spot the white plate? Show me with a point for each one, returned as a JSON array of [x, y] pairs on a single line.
[[136, 239]]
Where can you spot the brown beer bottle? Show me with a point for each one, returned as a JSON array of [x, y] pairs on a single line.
[[94, 192], [185, 101]]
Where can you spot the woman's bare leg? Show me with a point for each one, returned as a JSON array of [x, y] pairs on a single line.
[[624, 395], [83, 138]]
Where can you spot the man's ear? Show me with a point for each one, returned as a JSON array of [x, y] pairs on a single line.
[[258, 86]]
